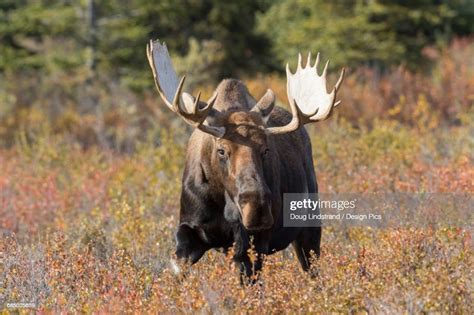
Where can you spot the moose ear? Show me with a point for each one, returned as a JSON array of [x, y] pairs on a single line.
[[265, 105], [213, 119]]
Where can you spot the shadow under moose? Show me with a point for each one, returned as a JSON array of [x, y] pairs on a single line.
[[241, 158]]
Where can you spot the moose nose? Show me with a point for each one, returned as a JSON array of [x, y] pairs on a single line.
[[254, 199], [265, 223], [256, 217]]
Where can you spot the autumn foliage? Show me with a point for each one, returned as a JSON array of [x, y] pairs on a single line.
[[87, 214]]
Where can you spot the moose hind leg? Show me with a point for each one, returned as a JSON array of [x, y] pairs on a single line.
[[302, 259], [307, 244]]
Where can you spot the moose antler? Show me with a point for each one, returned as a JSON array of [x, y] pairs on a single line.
[[195, 111], [308, 97]]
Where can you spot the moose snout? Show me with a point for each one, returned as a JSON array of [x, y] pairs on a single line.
[[256, 211]]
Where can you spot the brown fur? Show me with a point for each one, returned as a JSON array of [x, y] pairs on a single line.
[[227, 197]]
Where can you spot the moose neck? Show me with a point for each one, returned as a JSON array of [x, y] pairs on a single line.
[[233, 95]]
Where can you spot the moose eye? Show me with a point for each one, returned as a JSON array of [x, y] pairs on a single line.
[[221, 152], [265, 151]]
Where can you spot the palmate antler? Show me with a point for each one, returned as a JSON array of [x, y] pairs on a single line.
[[307, 94], [195, 111]]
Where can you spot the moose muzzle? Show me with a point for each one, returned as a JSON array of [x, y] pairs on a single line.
[[255, 208]]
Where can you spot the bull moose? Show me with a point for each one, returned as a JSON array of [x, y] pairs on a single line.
[[241, 158]]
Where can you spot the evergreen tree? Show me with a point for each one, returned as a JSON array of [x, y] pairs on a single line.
[[380, 32]]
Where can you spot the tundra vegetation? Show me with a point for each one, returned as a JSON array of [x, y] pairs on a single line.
[[91, 166]]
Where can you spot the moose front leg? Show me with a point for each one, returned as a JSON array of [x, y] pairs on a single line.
[[261, 241], [189, 246], [241, 257], [249, 270]]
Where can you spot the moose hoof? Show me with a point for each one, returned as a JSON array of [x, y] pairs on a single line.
[[175, 268]]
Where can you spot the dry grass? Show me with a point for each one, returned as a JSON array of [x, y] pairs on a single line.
[[93, 231]]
